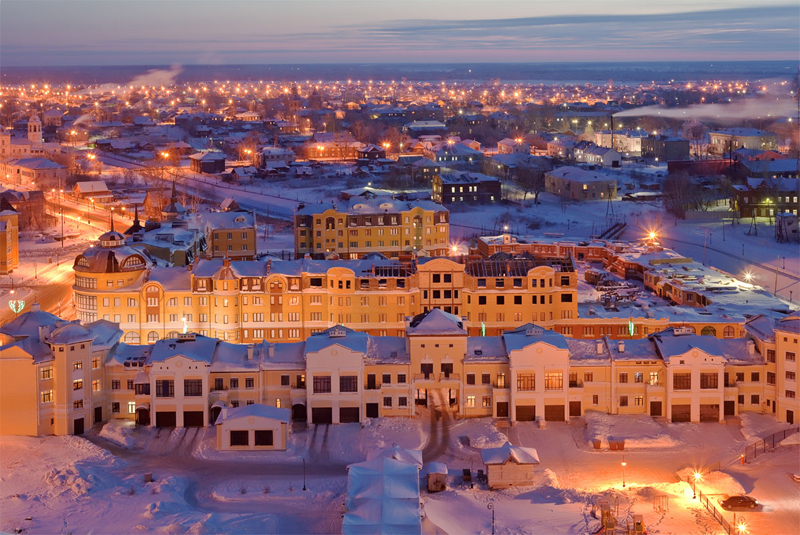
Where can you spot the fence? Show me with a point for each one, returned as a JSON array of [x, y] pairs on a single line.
[[766, 444], [711, 508]]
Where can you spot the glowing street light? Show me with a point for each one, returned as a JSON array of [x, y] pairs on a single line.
[[624, 464], [748, 276], [697, 477], [741, 527]]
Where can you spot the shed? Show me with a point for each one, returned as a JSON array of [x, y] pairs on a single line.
[[509, 465], [253, 427], [437, 477]]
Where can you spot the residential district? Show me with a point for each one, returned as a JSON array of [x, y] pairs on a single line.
[[386, 302]]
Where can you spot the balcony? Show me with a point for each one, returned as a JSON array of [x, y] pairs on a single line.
[[437, 377], [502, 385], [374, 386], [576, 384]]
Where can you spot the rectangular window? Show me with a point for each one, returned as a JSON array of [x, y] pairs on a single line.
[[77, 365], [165, 388], [709, 380], [638, 377], [526, 382], [623, 377], [46, 373], [486, 379], [96, 385], [790, 356], [554, 381], [790, 394], [131, 407], [95, 363], [47, 396], [771, 378], [402, 401], [588, 377], [77, 404], [249, 382], [348, 383], [623, 401], [284, 380], [263, 437], [77, 384], [234, 383], [401, 378], [595, 399], [387, 401], [470, 378], [240, 438], [755, 377], [192, 387], [470, 401], [682, 381], [322, 384], [115, 407]]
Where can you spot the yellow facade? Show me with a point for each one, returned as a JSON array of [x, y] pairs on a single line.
[[9, 241], [376, 225]]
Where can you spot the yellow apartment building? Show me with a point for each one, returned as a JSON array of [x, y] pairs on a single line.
[[60, 377], [359, 226]]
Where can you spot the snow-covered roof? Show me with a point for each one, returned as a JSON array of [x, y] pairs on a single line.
[[508, 452], [382, 498], [435, 322], [579, 175], [486, 349], [528, 334], [201, 349], [256, 409], [397, 453]]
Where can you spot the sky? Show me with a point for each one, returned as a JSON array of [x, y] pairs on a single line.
[[183, 32]]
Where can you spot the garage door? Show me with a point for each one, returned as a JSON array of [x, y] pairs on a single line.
[[166, 419], [681, 413], [709, 413], [526, 413], [193, 419], [554, 413], [322, 415], [348, 415]]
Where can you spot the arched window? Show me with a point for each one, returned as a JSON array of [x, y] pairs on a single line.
[[729, 332], [709, 331], [133, 262], [132, 338], [82, 262], [172, 334], [152, 336]]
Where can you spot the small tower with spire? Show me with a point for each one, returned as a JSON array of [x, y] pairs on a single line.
[[35, 129]]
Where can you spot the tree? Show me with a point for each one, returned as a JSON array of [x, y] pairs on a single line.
[[530, 180]]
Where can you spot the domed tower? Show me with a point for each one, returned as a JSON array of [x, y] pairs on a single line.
[[108, 269], [35, 129]]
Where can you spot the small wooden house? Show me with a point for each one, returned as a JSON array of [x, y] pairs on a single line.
[[437, 477], [509, 465]]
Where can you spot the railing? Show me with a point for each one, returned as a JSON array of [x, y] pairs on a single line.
[[711, 508], [375, 386], [299, 386], [503, 385], [767, 443], [436, 377], [576, 384]]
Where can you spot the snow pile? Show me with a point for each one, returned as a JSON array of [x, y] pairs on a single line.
[[791, 440], [481, 432], [756, 426], [70, 478], [713, 482], [119, 432], [639, 431], [383, 433]]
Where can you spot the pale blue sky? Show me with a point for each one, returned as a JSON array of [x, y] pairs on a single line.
[[133, 32]]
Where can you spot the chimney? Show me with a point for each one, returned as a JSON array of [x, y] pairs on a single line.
[[621, 346], [224, 413], [249, 352], [35, 307], [271, 351], [599, 347], [751, 347]]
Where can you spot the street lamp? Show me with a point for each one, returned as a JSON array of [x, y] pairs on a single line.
[[623, 471], [695, 479], [748, 276], [304, 474], [491, 508]]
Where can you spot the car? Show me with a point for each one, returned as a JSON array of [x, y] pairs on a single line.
[[739, 501]]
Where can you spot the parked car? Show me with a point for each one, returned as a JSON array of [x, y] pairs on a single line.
[[739, 501]]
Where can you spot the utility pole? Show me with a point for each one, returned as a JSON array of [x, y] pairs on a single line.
[[705, 243], [776, 275]]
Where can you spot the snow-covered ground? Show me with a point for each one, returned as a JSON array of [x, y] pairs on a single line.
[[69, 484]]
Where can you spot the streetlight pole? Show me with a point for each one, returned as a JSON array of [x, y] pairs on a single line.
[[304, 474], [491, 508], [623, 471]]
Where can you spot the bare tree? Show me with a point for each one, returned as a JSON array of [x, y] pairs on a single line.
[[530, 180]]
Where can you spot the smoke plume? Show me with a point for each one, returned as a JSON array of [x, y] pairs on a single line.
[[759, 108]]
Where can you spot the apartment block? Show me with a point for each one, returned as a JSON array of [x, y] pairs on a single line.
[[382, 225]]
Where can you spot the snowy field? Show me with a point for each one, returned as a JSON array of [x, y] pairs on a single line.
[[71, 484]]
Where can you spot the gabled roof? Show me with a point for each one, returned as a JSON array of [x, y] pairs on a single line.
[[436, 322], [258, 410], [508, 452]]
